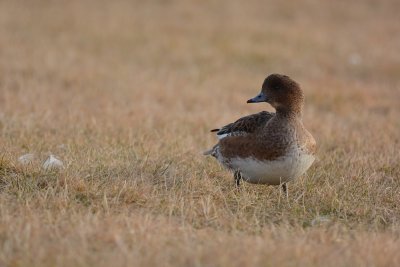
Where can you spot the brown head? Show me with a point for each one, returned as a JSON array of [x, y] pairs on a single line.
[[284, 94]]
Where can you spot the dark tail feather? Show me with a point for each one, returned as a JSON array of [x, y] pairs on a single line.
[[214, 130]]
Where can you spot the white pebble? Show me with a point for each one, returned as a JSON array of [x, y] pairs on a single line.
[[26, 159], [52, 163]]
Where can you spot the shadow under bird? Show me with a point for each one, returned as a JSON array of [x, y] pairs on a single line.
[[268, 148]]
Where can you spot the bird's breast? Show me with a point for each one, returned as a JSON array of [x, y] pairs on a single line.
[[283, 169]]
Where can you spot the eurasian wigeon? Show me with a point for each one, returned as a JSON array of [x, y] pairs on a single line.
[[268, 148]]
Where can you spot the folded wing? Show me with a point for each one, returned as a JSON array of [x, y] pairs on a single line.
[[245, 125]]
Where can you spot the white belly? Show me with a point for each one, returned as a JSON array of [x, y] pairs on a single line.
[[273, 172]]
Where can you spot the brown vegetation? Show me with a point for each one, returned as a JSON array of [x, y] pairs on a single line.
[[125, 93]]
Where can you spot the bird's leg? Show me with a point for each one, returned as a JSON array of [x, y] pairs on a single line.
[[238, 177], [285, 190], [284, 187]]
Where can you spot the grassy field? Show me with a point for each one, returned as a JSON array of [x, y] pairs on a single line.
[[125, 93]]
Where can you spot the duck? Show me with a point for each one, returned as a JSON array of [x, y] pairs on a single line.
[[271, 148]]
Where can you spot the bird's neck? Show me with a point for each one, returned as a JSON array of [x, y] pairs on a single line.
[[290, 112]]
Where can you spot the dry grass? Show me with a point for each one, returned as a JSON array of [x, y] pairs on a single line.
[[125, 93]]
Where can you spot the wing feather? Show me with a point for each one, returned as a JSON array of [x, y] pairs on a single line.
[[245, 125]]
